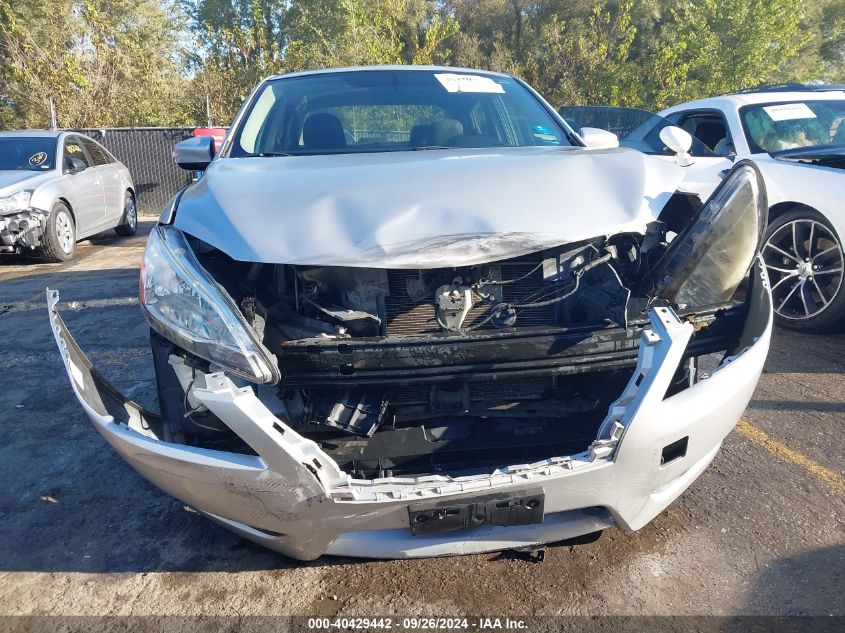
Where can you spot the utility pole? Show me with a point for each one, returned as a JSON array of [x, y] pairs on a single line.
[[53, 123], [208, 109]]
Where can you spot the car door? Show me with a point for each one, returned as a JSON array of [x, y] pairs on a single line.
[[89, 208], [110, 176]]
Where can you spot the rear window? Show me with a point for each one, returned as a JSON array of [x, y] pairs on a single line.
[[365, 125]]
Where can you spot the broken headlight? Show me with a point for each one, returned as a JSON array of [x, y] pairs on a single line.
[[15, 203], [186, 306], [705, 264]]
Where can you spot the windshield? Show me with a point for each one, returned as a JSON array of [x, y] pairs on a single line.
[[637, 129], [384, 111], [27, 153], [778, 127]]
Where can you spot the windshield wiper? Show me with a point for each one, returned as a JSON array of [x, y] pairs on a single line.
[[423, 148], [271, 154]]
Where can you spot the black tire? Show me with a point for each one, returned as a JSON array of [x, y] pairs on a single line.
[[58, 244], [805, 261], [129, 222]]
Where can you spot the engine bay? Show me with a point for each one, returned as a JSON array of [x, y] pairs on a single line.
[[455, 370]]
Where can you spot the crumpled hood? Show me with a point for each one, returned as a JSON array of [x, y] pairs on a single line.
[[428, 209], [14, 180]]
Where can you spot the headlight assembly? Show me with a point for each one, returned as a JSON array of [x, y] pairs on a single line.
[[15, 203], [705, 264], [186, 306]]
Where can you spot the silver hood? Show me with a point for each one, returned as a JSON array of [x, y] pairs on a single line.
[[427, 209], [14, 180]]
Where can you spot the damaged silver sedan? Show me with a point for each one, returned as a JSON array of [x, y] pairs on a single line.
[[57, 188], [406, 312]]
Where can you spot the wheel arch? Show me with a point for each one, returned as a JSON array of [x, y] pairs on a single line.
[[788, 206]]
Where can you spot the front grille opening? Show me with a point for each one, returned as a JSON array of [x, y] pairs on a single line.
[[467, 428]]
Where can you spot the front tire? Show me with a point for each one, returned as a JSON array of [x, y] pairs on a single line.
[[129, 222], [58, 243], [805, 261]]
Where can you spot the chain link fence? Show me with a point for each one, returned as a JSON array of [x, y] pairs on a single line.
[[147, 152]]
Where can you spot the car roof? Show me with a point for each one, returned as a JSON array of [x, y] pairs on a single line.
[[752, 98], [403, 68]]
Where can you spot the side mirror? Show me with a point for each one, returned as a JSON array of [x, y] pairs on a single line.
[[595, 138], [194, 154], [680, 142], [74, 165]]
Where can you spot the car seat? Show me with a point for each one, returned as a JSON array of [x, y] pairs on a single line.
[[725, 147], [419, 135], [323, 131], [444, 130], [710, 133]]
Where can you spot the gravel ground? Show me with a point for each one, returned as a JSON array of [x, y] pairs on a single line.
[[761, 532]]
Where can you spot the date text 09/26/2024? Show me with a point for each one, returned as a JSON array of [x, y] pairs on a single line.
[[414, 624]]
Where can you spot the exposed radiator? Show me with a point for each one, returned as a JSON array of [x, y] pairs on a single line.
[[406, 317]]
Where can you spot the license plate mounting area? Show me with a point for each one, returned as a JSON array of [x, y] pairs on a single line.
[[504, 509]]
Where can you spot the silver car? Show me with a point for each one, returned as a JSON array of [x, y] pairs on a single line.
[[407, 311], [57, 188]]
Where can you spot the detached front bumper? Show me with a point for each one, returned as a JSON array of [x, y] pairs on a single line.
[[293, 498]]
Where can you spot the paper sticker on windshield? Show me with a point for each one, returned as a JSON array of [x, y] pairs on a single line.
[[790, 112], [38, 158], [468, 83]]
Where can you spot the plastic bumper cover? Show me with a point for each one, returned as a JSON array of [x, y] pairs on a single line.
[[293, 498]]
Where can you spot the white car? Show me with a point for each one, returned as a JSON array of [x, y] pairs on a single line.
[[406, 312], [57, 188], [796, 135]]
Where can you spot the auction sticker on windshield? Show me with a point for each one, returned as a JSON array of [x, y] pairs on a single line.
[[789, 112], [468, 83], [38, 159]]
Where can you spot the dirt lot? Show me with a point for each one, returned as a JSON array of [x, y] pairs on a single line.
[[761, 532]]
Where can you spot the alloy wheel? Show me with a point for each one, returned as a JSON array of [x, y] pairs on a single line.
[[64, 232], [805, 263], [131, 213]]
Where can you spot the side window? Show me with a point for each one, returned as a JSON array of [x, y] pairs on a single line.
[[73, 149], [97, 154], [709, 128]]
